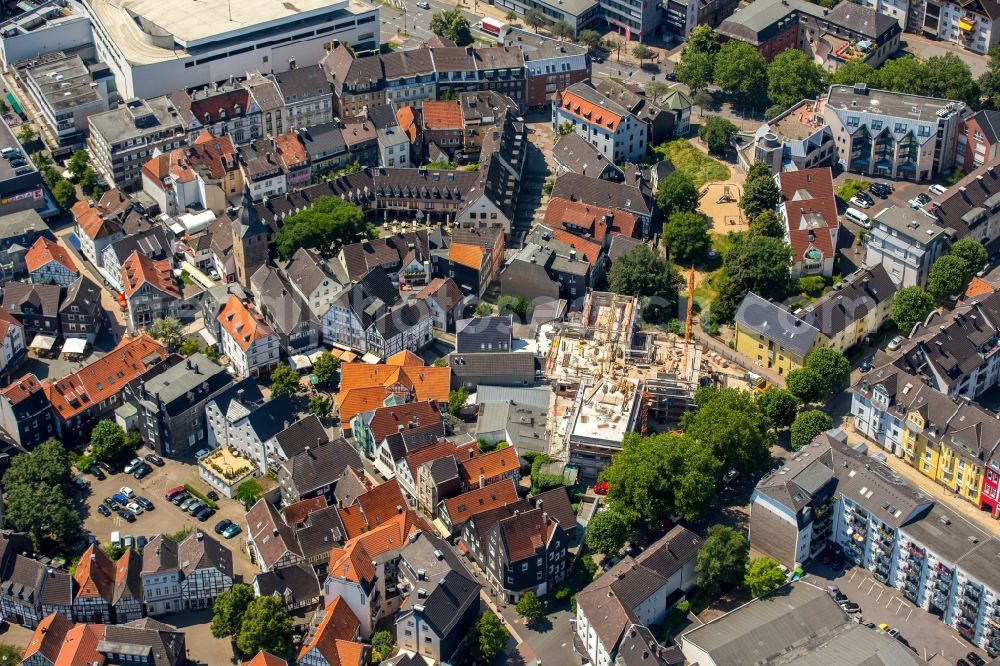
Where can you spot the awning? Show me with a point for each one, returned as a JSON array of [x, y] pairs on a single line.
[[74, 346], [964, 25], [43, 342], [371, 358], [316, 354], [300, 362]]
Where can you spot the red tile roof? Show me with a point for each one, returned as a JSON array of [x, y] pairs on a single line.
[[812, 211], [214, 105], [80, 646], [470, 256], [978, 287], [48, 637], [105, 377], [525, 534], [45, 251], [211, 155], [339, 625], [373, 508], [442, 114], [407, 119], [474, 502], [297, 513], [21, 389], [243, 323], [91, 222], [388, 420], [588, 248], [589, 112], [354, 561], [364, 387], [291, 150], [139, 269], [265, 659], [585, 220], [489, 465], [95, 575]]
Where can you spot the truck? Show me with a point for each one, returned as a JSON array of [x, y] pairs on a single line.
[[492, 27]]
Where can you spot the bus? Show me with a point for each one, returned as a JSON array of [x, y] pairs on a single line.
[[492, 26]]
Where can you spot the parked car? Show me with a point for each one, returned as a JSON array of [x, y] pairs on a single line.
[[98, 474], [126, 516], [212, 495], [896, 343], [232, 531], [107, 467], [110, 503], [195, 506], [174, 492], [134, 508], [203, 514], [127, 492], [937, 190], [144, 503], [866, 365], [881, 190], [923, 199], [180, 499], [103, 510], [850, 607], [132, 464], [424, 5], [187, 503], [120, 499], [81, 483], [962, 662], [221, 526], [975, 659], [142, 471], [201, 453], [155, 459], [858, 202]]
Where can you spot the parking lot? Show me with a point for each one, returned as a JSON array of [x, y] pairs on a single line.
[[924, 631], [165, 518]]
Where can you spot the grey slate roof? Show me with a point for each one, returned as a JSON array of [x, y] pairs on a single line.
[[496, 365], [44, 297], [862, 20], [575, 154], [302, 83], [307, 431], [152, 243], [449, 586], [201, 551], [321, 465], [443, 469], [484, 334], [557, 504], [539, 396], [408, 440], [776, 323], [402, 318], [524, 425], [272, 417], [597, 192], [250, 396], [859, 294], [84, 294], [296, 583], [185, 384], [621, 245], [308, 271], [321, 531], [159, 555]]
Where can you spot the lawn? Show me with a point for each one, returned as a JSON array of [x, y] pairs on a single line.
[[849, 188], [688, 159]]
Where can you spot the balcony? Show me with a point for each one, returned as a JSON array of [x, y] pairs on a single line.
[[939, 601]]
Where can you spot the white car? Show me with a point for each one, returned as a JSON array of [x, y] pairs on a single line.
[[127, 492], [134, 508], [896, 343], [130, 467], [424, 5], [937, 190], [201, 453], [859, 203]]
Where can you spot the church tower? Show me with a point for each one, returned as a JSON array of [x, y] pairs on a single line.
[[249, 241]]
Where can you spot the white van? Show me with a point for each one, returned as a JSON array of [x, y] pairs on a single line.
[[856, 216]]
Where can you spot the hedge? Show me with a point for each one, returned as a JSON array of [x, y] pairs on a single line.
[[200, 495]]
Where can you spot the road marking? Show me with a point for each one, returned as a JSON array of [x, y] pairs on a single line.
[[909, 614], [880, 596]]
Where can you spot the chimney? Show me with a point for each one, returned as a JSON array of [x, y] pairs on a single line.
[[538, 504], [482, 480]]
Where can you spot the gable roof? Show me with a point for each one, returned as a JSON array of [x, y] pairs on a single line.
[[91, 221], [45, 251], [576, 154], [95, 575], [587, 220], [386, 420], [364, 386], [338, 624], [104, 377], [442, 114], [597, 192], [270, 535], [859, 294], [776, 323], [354, 562], [489, 465], [127, 576], [139, 270], [243, 323], [48, 637], [201, 551], [811, 209], [373, 508], [581, 100], [321, 464], [476, 501], [263, 658]]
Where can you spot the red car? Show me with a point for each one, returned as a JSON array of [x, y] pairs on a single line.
[[601, 488], [174, 492]]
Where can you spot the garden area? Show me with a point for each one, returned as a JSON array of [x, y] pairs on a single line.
[[688, 159]]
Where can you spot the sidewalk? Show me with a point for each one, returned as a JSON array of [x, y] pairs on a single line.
[[925, 485]]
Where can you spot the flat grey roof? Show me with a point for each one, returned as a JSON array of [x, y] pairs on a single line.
[[883, 102], [64, 83], [949, 541], [912, 223]]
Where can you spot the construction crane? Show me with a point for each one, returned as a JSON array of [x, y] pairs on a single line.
[[688, 321]]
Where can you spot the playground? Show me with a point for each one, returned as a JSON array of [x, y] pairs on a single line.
[[720, 203]]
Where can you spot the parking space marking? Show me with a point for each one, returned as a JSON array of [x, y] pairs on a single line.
[[880, 597], [909, 614]]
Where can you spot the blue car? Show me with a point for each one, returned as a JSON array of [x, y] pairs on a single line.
[[121, 499]]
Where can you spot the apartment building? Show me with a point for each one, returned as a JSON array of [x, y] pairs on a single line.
[[773, 337], [549, 65], [795, 139], [121, 141], [971, 207], [893, 135], [970, 25], [607, 125], [906, 242], [809, 212]]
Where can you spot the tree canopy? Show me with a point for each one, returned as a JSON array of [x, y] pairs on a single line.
[[457, 400], [759, 264], [807, 425], [805, 384], [854, 71], [107, 441], [741, 70], [767, 223], [971, 252], [722, 560], [529, 607], [36, 496], [452, 24], [266, 626], [676, 193], [792, 77], [325, 368], [168, 331], [325, 226], [764, 575], [948, 276], [779, 406], [607, 532], [229, 608], [488, 637], [284, 380], [641, 271], [685, 235], [694, 69], [909, 306], [717, 133], [760, 193], [732, 426], [249, 492], [831, 366], [654, 477]]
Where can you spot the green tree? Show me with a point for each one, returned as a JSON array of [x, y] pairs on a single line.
[[779, 406], [26, 134], [48, 463], [511, 16], [325, 226], [189, 346], [518, 306], [722, 559], [589, 38], [642, 52], [948, 276], [107, 440], [832, 367], [657, 90], [760, 194], [904, 75], [805, 384], [457, 400], [562, 30], [703, 40], [685, 235], [759, 264], [168, 331], [767, 223], [452, 24], [211, 353], [641, 271], [320, 406], [284, 380], [854, 71], [383, 642], [10, 654], [488, 637], [614, 45], [701, 99], [741, 71], [534, 18], [78, 163], [44, 512], [989, 81], [792, 77], [325, 368], [654, 477], [65, 194], [971, 252], [694, 69], [607, 532], [564, 128], [717, 133], [529, 608], [910, 305], [764, 575], [249, 492], [229, 608], [484, 309], [807, 425], [267, 626], [732, 426], [949, 77], [676, 192]]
